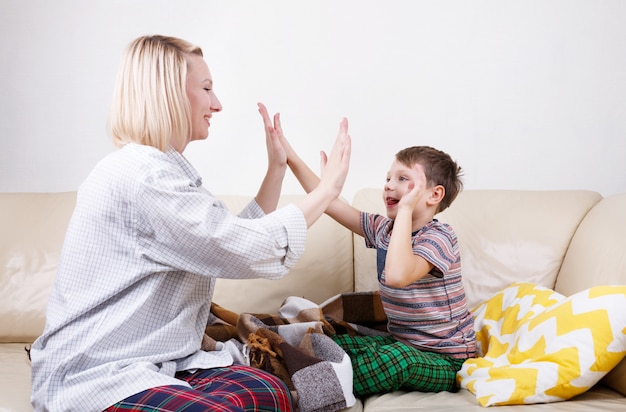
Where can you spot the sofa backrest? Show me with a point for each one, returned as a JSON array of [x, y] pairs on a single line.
[[597, 252], [504, 236], [33, 227], [324, 270]]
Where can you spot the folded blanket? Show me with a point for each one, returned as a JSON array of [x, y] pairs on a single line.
[[295, 344], [356, 313]]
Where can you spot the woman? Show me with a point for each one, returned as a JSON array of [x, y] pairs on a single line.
[[146, 241]]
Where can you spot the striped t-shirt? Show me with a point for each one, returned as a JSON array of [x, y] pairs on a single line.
[[430, 313]]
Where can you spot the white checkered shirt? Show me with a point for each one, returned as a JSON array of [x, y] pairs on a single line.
[[136, 276]]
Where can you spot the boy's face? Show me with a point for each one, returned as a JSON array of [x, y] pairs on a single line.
[[399, 178]]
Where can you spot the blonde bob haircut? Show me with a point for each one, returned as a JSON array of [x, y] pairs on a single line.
[[150, 104]]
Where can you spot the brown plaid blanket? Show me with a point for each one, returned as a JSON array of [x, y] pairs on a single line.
[[295, 344]]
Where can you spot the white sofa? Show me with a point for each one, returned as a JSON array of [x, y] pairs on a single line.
[[563, 240]]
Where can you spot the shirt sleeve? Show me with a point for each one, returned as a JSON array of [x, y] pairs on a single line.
[[252, 211], [186, 228], [438, 246], [374, 227]]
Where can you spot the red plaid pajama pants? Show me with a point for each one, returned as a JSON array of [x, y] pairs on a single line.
[[235, 388]]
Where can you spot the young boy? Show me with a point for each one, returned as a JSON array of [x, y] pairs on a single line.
[[419, 273]]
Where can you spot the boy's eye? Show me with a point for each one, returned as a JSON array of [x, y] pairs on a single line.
[[206, 89], [402, 179]]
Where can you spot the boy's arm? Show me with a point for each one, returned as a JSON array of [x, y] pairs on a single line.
[[402, 266], [339, 210]]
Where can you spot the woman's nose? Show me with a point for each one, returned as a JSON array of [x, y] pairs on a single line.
[[216, 105]]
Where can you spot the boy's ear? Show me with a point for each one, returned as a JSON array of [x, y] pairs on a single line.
[[436, 194]]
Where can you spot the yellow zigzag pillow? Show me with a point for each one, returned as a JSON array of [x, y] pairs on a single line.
[[537, 346]]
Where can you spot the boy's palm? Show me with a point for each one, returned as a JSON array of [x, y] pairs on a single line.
[[334, 167], [416, 189]]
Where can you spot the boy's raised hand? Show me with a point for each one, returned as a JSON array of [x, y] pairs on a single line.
[[335, 166], [416, 188]]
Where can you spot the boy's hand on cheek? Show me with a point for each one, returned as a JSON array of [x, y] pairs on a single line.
[[416, 188]]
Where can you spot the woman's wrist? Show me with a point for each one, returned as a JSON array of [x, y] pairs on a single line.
[[277, 170]]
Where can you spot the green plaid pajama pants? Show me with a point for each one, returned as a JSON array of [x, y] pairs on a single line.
[[382, 364]]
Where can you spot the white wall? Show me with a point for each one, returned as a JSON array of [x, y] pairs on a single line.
[[524, 94]]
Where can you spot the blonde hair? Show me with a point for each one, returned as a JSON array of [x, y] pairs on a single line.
[[150, 104]]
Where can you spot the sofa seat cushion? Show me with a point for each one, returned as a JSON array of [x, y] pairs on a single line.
[[597, 399], [14, 378], [537, 346]]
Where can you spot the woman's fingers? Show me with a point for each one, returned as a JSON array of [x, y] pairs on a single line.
[[265, 115]]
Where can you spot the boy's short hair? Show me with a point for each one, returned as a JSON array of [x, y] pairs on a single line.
[[150, 104], [439, 169]]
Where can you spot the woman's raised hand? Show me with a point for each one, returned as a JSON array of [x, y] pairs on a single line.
[[276, 155]]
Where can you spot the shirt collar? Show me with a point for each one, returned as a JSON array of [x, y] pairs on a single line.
[[184, 164]]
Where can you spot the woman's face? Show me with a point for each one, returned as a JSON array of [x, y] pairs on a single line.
[[202, 99]]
